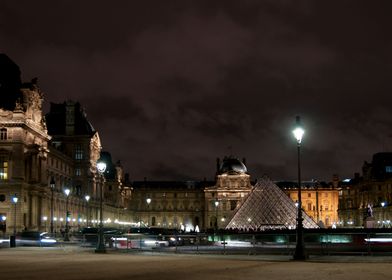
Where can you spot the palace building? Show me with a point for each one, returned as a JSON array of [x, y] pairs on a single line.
[[41, 156], [366, 201]]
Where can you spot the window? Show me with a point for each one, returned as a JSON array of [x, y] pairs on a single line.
[[309, 195], [78, 172], [388, 169], [78, 152], [3, 169], [3, 134], [309, 206]]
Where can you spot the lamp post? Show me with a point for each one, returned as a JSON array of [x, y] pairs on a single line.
[[52, 186], [66, 236], [13, 237], [87, 198], [148, 200], [383, 204], [101, 167], [216, 214], [299, 253]]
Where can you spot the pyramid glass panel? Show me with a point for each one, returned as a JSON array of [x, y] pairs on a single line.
[[268, 207]]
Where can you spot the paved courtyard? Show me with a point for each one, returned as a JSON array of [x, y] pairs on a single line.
[[76, 263]]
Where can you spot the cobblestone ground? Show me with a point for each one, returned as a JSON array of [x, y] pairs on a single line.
[[75, 263]]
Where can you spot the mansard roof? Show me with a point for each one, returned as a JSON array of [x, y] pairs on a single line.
[[58, 118]]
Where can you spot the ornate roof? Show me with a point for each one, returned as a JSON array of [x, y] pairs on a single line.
[[232, 165]]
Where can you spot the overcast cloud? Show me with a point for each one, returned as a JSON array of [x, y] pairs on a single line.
[[172, 85]]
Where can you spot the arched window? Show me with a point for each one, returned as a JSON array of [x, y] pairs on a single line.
[[3, 134]]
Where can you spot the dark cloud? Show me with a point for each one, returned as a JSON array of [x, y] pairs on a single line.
[[171, 85]]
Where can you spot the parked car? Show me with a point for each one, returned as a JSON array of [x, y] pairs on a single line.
[[35, 238]]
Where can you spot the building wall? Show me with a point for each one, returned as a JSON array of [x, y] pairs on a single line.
[[224, 198], [321, 204], [30, 159], [23, 162], [366, 201], [172, 205]]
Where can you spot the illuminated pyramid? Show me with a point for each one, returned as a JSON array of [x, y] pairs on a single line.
[[268, 207]]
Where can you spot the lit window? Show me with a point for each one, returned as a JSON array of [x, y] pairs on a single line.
[[3, 169], [3, 134], [78, 172], [78, 151], [388, 169]]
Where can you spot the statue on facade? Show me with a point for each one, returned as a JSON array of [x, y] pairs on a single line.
[[369, 221], [369, 210]]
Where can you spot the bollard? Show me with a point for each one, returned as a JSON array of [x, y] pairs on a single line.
[[12, 241]]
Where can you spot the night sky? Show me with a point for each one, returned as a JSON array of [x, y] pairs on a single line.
[[172, 85]]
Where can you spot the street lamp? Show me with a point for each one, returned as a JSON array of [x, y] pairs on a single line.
[[148, 200], [45, 218], [216, 214], [383, 204], [52, 186], [101, 167], [299, 253], [87, 198], [66, 236], [13, 238]]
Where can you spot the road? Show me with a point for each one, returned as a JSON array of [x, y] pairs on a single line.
[[73, 262]]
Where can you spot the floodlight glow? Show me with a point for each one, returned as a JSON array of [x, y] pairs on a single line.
[[148, 200], [67, 192], [87, 198], [15, 199], [101, 166]]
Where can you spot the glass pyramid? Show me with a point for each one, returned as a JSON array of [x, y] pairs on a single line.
[[267, 207]]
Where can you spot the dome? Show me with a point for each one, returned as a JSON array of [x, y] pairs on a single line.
[[232, 165]]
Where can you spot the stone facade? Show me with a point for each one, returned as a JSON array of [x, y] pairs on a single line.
[[366, 201], [23, 161], [191, 204], [61, 148], [319, 200]]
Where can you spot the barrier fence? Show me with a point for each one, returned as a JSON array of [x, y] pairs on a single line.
[[365, 243]]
